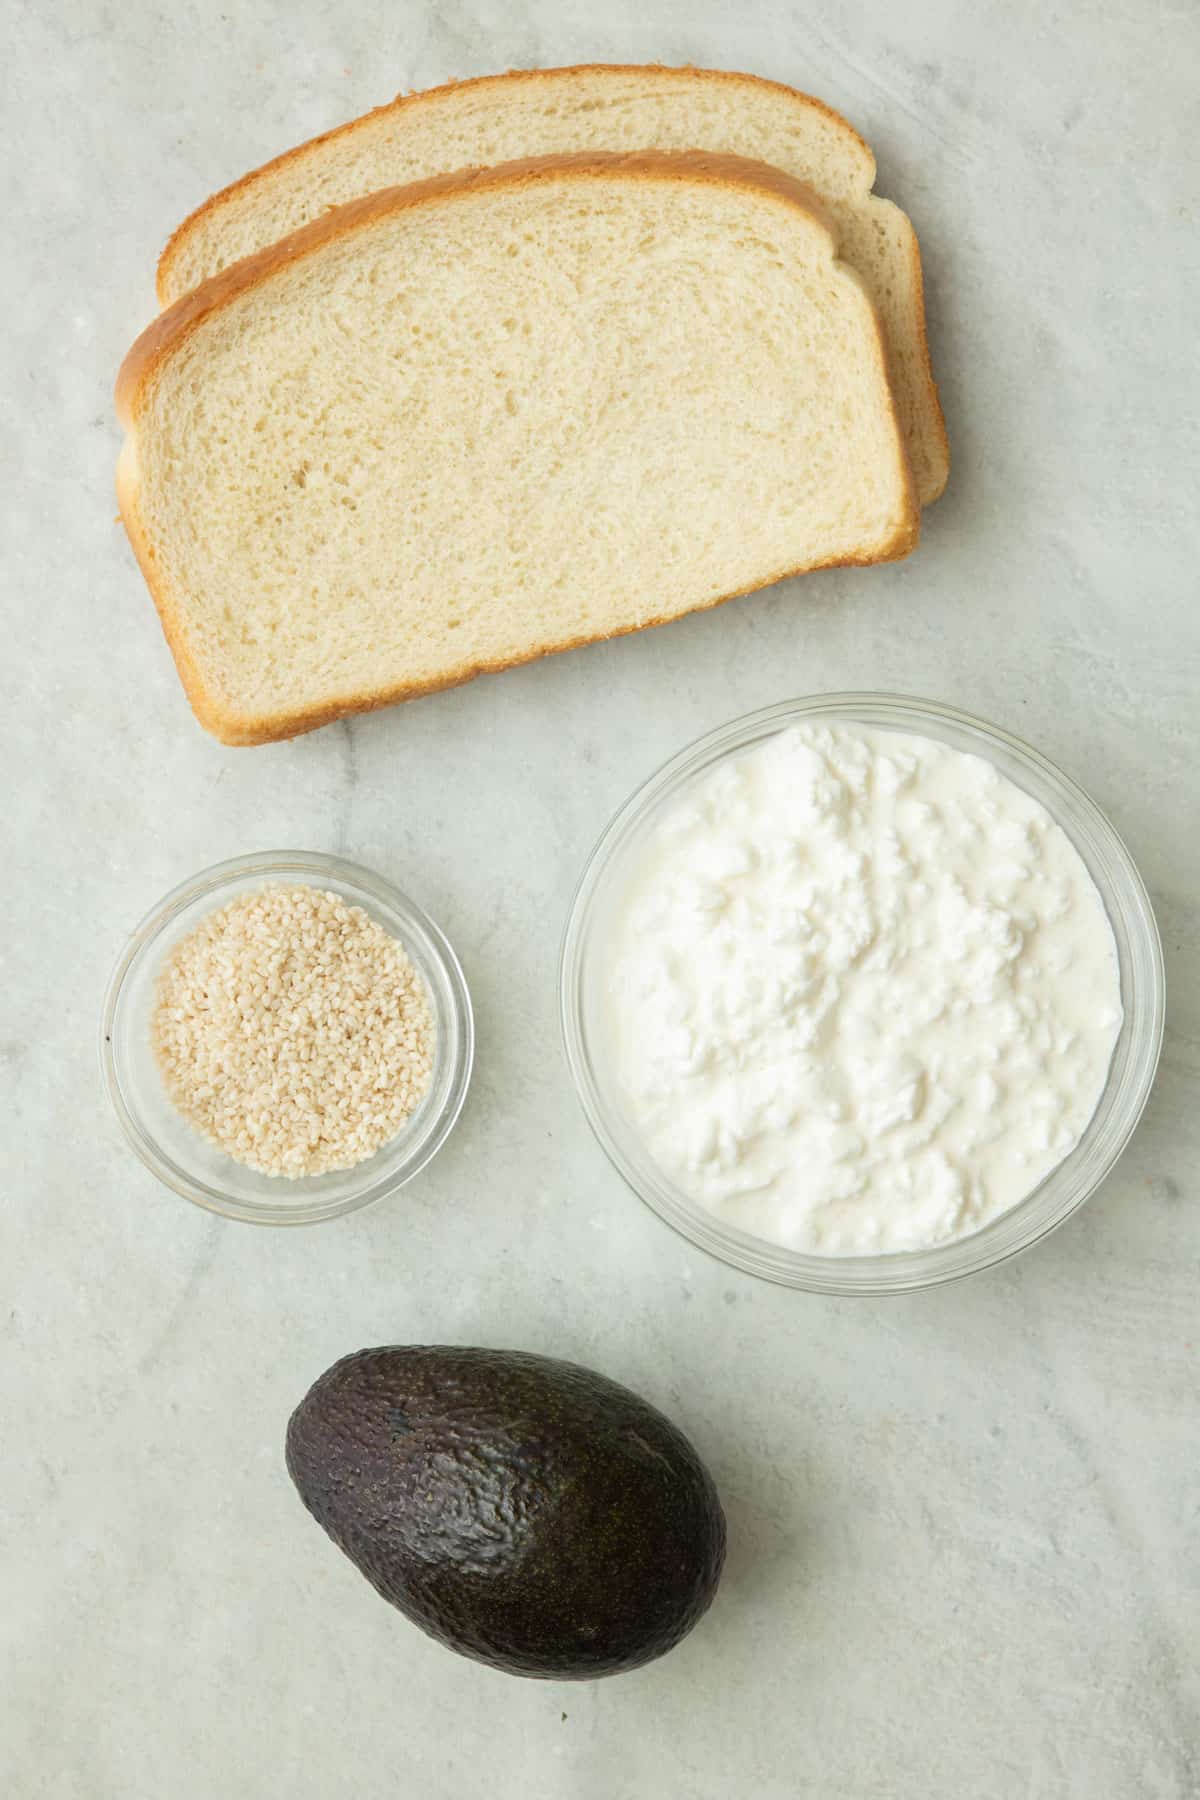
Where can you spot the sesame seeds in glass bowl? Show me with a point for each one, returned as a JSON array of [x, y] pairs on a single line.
[[184, 1065]]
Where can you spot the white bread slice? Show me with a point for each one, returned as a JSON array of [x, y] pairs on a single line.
[[451, 427], [544, 112]]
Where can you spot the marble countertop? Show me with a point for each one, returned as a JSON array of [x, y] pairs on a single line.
[[965, 1525]]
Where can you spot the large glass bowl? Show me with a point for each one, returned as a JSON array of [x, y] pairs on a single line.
[[187, 1162], [1067, 1186]]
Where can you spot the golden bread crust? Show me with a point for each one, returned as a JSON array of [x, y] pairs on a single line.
[[175, 326], [478, 84]]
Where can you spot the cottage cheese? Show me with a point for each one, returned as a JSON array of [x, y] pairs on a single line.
[[863, 993]]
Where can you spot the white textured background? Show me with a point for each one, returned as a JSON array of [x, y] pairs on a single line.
[[965, 1526]]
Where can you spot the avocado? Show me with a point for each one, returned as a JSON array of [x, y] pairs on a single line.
[[523, 1511]]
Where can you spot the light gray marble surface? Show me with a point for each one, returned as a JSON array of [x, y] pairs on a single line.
[[965, 1527]]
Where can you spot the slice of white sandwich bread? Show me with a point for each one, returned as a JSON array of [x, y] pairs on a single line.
[[451, 427], [532, 113]]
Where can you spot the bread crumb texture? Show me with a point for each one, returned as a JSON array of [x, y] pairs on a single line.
[[551, 112], [506, 421], [292, 1032]]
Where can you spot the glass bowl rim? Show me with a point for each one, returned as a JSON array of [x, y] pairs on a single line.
[[1032, 1218], [224, 877]]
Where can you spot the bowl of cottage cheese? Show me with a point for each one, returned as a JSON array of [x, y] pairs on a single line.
[[861, 993]]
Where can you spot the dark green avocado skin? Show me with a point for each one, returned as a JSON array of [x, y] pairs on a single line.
[[525, 1512]]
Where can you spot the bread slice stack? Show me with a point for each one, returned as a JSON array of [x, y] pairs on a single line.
[[514, 366]]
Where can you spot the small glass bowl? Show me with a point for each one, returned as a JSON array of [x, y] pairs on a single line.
[[184, 1159], [1135, 1057]]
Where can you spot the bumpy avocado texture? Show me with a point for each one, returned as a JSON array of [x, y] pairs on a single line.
[[525, 1512]]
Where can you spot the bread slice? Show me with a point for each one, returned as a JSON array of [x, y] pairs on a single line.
[[451, 427], [557, 111]]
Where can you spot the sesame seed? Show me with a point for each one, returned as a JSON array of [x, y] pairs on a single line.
[[292, 1032]]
